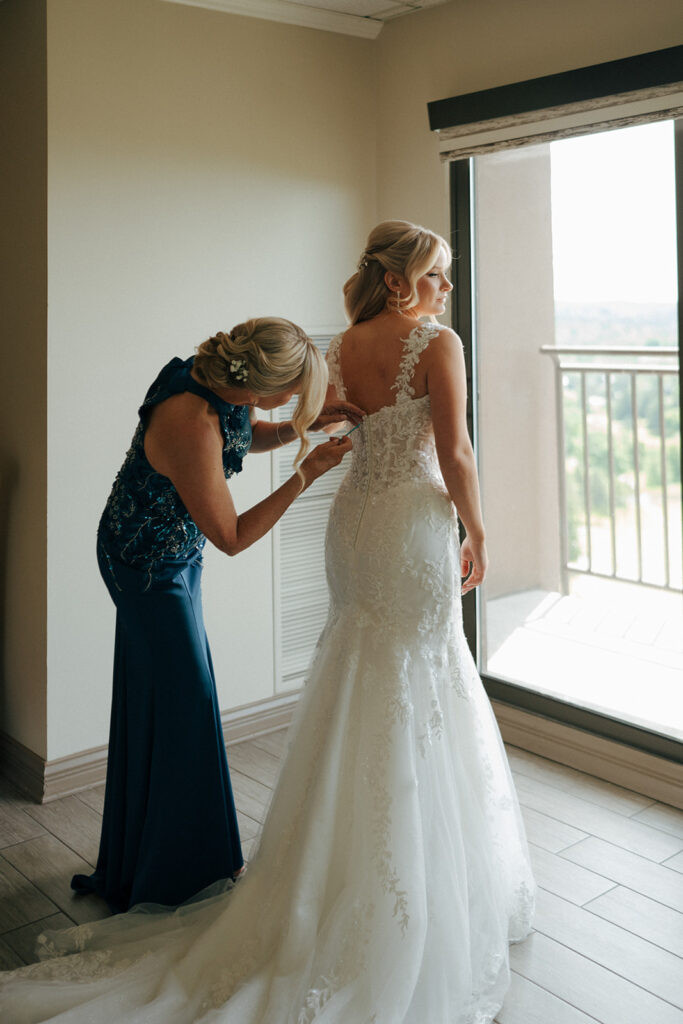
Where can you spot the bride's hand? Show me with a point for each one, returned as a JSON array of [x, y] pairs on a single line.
[[324, 457], [334, 415], [472, 556]]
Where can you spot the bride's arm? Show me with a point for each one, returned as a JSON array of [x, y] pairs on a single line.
[[447, 386]]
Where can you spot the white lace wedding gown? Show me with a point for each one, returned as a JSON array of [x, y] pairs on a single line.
[[392, 870]]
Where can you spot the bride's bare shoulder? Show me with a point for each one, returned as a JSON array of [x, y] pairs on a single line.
[[444, 343], [445, 335]]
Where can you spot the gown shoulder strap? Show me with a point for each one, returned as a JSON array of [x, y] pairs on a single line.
[[413, 346], [334, 366]]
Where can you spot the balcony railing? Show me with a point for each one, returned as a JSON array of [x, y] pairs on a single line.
[[618, 433]]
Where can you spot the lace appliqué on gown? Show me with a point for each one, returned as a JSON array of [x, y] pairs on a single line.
[[413, 347]]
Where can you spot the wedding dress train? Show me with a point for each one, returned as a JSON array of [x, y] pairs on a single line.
[[392, 871]]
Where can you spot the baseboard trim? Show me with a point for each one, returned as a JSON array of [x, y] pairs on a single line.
[[255, 720], [656, 777], [626, 766], [44, 781], [22, 767]]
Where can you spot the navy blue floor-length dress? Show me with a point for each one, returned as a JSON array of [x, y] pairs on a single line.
[[169, 827]]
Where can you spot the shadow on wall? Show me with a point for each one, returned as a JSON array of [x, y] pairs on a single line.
[[9, 477]]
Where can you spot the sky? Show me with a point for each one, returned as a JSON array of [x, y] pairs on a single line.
[[614, 228]]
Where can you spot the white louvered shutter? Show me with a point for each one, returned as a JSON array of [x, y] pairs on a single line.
[[300, 587]]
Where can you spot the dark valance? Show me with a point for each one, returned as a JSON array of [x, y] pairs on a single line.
[[634, 90]]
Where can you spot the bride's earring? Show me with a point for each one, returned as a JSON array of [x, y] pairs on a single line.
[[394, 301]]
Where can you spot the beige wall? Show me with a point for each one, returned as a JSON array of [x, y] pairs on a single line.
[[203, 168], [23, 301]]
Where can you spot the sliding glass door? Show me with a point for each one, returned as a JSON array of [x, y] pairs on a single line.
[[566, 276]]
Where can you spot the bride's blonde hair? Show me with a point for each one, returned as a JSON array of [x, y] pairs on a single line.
[[397, 246], [267, 355]]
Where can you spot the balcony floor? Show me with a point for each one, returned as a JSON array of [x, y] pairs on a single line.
[[613, 647]]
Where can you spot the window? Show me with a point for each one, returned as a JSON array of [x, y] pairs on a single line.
[[564, 423]]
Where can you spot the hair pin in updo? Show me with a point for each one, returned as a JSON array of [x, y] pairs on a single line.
[[363, 262]]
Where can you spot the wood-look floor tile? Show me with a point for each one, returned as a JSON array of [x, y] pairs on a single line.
[[274, 743], [254, 762], [595, 791], [23, 940], [608, 963], [588, 986], [251, 797], [248, 847], [642, 916], [77, 825], [598, 821], [248, 826], [20, 901], [93, 798], [49, 865], [527, 1003], [16, 825], [570, 881], [549, 833], [657, 881], [620, 951], [675, 862], [669, 819]]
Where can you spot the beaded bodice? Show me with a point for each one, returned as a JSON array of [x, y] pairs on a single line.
[[145, 520]]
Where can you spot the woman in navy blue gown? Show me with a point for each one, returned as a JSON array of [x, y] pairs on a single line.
[[169, 827]]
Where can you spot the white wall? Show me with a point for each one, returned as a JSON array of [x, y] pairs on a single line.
[[203, 168]]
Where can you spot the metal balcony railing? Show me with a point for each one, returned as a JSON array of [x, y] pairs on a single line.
[[604, 438]]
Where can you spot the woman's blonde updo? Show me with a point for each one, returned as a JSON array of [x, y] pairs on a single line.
[[401, 248], [266, 356]]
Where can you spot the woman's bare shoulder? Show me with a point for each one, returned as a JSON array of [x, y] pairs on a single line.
[[182, 429], [185, 414]]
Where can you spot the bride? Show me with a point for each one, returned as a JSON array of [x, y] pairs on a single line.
[[392, 871]]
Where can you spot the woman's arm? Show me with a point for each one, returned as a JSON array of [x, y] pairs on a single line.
[[266, 435], [447, 387], [183, 442]]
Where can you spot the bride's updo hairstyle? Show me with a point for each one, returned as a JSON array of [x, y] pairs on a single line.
[[397, 246], [268, 355]]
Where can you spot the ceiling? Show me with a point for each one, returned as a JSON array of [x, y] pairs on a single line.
[[382, 10], [351, 17]]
